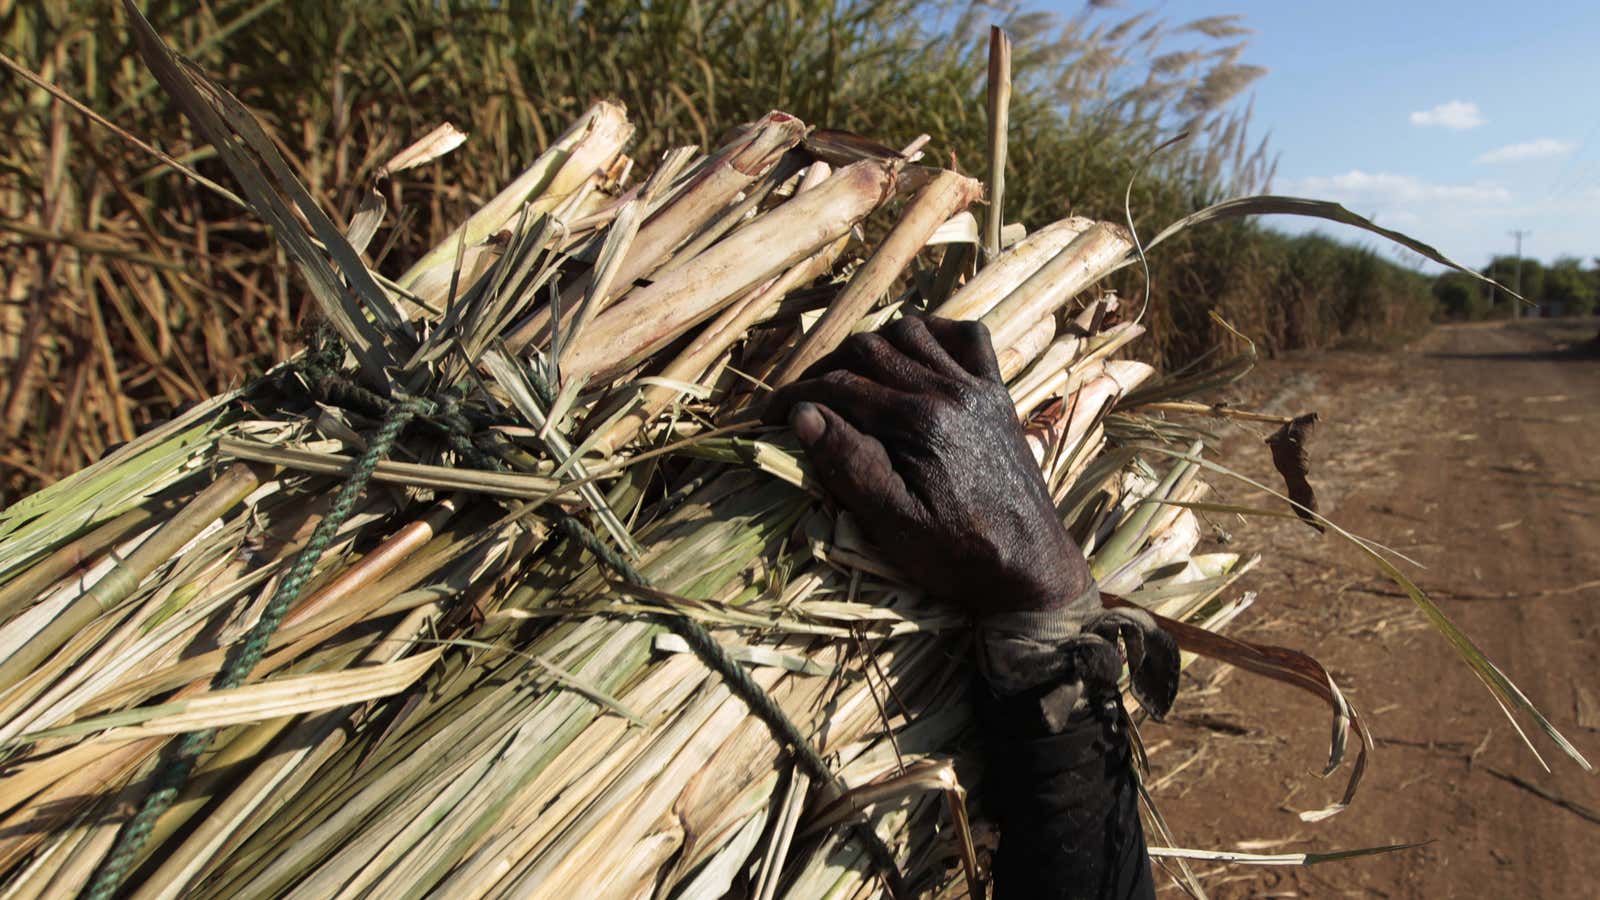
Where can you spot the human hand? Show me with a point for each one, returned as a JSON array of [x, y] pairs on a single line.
[[911, 429]]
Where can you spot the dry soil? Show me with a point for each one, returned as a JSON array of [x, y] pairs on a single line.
[[1472, 451]]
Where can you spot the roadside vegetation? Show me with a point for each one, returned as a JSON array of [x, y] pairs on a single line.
[[1564, 288], [128, 291]]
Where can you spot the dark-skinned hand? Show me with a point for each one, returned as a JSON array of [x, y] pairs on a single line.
[[911, 429]]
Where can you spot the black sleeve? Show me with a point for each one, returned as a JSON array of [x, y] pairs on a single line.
[[1066, 803]]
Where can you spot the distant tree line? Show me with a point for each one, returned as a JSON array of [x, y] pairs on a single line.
[[1563, 288]]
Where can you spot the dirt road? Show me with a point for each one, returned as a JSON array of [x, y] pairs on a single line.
[[1474, 452]]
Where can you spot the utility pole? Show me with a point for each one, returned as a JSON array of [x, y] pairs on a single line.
[[1516, 306]]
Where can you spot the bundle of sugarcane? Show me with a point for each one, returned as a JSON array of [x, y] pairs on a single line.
[[498, 590]]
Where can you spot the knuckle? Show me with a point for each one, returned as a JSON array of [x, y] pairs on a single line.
[[935, 411], [974, 330], [905, 326], [867, 346], [840, 378]]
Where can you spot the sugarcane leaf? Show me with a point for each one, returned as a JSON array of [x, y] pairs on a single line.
[[962, 228], [1272, 204], [217, 122], [559, 674], [1290, 667], [759, 656], [1279, 859], [364, 223], [360, 280], [498, 484], [687, 388], [444, 138], [778, 461], [107, 488], [619, 238], [1232, 509], [252, 703], [513, 377]]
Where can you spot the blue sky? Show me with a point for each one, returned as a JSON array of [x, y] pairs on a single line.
[[1454, 122]]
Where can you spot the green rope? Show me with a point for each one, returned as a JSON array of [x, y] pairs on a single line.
[[717, 658], [180, 757], [444, 412], [320, 369]]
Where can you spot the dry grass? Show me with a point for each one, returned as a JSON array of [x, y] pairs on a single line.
[[130, 292]]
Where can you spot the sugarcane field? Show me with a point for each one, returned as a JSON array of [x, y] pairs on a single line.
[[852, 449]]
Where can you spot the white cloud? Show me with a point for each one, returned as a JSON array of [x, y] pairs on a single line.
[[1366, 190], [1457, 115], [1543, 148]]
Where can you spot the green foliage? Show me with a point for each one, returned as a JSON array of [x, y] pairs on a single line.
[[1461, 297], [1525, 276], [1310, 291], [1564, 288], [1568, 289]]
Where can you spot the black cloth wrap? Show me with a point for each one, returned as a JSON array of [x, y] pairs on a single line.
[[1068, 810], [1058, 764], [1075, 657]]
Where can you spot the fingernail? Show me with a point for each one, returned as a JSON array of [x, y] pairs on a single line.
[[807, 422]]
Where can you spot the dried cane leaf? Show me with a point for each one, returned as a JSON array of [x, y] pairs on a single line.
[[252, 703], [1292, 460]]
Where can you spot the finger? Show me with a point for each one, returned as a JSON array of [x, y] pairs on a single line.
[[874, 358], [968, 343], [866, 404], [911, 336], [853, 468]]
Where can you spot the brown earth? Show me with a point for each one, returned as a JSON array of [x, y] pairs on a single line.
[[1473, 452]]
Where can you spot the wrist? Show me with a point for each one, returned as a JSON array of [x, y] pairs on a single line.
[[1051, 582], [1050, 572], [1022, 649]]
